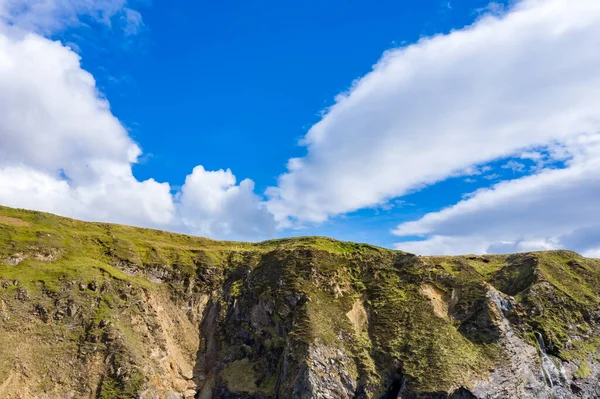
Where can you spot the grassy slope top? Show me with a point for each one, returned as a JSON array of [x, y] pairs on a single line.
[[55, 247]]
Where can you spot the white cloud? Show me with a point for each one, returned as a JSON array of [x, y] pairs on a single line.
[[48, 16], [556, 208], [516, 167], [212, 204], [532, 155], [113, 199], [63, 151], [52, 116], [493, 176], [431, 110], [594, 253], [440, 245]]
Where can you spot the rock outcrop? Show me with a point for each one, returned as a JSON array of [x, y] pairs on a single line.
[[100, 311]]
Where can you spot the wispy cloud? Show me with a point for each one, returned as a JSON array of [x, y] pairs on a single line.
[[133, 21], [556, 208]]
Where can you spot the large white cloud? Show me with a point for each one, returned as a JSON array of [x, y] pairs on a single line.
[[436, 108], [52, 116], [63, 151]]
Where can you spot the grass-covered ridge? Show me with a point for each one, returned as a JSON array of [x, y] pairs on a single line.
[[97, 289], [52, 246]]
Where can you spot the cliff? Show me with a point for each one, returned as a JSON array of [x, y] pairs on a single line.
[[99, 311]]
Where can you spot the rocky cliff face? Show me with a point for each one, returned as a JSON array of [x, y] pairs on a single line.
[[102, 311]]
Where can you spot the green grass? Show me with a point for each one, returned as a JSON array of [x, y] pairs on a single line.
[[321, 243], [584, 370], [468, 267]]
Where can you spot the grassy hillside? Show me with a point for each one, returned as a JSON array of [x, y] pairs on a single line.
[[100, 310]]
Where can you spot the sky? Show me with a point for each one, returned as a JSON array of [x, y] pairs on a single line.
[[434, 127]]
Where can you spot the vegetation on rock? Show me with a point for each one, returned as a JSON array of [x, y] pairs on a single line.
[[96, 310]]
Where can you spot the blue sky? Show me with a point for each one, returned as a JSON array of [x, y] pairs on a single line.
[[458, 122], [237, 85]]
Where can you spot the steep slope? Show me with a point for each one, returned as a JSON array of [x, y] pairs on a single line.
[[92, 310]]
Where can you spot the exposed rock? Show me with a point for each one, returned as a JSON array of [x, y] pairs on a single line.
[[174, 395], [15, 259], [331, 374]]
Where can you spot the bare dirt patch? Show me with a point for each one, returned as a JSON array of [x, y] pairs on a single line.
[[14, 221], [6, 382], [438, 298], [358, 316]]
